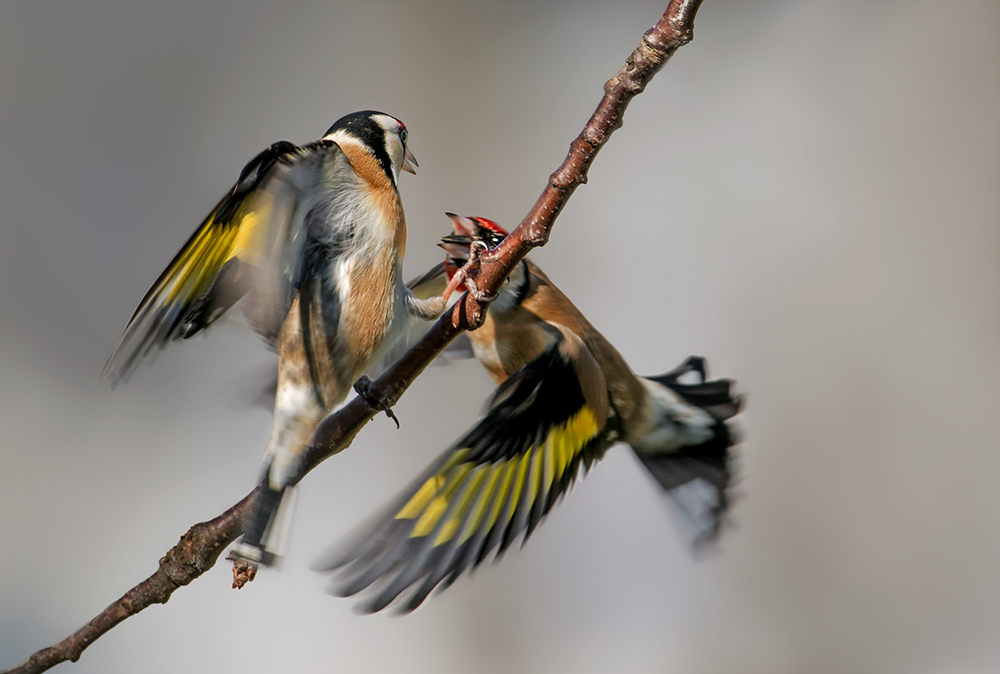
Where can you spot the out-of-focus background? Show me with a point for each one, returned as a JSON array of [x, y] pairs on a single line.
[[807, 195]]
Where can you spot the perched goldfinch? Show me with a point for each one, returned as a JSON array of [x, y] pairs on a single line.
[[565, 396], [313, 237]]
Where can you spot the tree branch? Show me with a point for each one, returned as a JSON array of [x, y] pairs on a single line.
[[199, 549], [194, 554]]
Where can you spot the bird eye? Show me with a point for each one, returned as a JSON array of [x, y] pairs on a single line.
[[489, 237], [402, 135]]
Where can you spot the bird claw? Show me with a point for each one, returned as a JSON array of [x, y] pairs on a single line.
[[477, 248], [462, 277], [479, 295], [363, 387]]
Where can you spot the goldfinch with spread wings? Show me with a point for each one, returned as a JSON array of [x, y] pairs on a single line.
[[311, 238], [565, 397]]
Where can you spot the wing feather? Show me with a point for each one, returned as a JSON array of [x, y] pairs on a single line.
[[492, 486], [251, 241], [430, 283]]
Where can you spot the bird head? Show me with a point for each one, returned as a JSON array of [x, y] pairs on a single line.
[[464, 231], [381, 135]]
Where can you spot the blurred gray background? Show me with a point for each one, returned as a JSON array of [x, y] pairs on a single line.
[[807, 195]]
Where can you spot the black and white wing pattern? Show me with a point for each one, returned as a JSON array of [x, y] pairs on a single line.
[[252, 243], [497, 482]]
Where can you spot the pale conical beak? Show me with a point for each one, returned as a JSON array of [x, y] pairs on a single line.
[[462, 225], [457, 243], [409, 162], [456, 251]]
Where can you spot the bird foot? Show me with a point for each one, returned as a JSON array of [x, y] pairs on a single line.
[[464, 275], [363, 387], [479, 295]]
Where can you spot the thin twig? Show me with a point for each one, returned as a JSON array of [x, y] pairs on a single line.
[[198, 549], [194, 554]]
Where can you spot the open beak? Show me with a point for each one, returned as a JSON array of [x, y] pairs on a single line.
[[462, 225], [457, 252], [409, 162], [457, 243]]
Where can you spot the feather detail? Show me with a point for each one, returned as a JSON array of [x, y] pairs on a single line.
[[494, 485]]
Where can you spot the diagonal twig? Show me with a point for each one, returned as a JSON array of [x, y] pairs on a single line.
[[199, 549]]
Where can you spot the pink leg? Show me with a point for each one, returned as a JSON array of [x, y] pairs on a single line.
[[461, 277]]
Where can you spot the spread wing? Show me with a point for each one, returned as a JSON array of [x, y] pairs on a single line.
[[251, 241], [498, 481], [428, 285]]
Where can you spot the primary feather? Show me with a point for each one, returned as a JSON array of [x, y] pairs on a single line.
[[565, 396], [494, 484], [251, 242]]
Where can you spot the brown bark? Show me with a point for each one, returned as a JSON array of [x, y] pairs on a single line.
[[199, 549]]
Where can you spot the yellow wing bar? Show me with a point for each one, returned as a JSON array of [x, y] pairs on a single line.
[[210, 272], [475, 496], [496, 483]]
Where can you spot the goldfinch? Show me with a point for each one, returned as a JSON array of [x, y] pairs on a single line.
[[312, 238], [565, 397]]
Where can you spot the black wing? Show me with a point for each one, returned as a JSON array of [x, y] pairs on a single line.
[[495, 483], [247, 243]]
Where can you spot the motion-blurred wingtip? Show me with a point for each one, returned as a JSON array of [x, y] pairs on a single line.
[[109, 366]]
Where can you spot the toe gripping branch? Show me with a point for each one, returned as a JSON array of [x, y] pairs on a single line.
[[476, 249], [363, 387]]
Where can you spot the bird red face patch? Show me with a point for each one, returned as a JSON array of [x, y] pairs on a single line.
[[464, 231]]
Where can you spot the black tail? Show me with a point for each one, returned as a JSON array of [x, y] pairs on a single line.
[[697, 477]]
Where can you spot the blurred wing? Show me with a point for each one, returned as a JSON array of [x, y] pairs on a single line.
[[430, 284], [496, 482], [250, 241]]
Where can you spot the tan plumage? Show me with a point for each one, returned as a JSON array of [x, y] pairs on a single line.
[[313, 237], [565, 396]]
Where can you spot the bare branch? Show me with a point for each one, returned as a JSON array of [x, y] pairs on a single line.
[[195, 553], [199, 549]]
